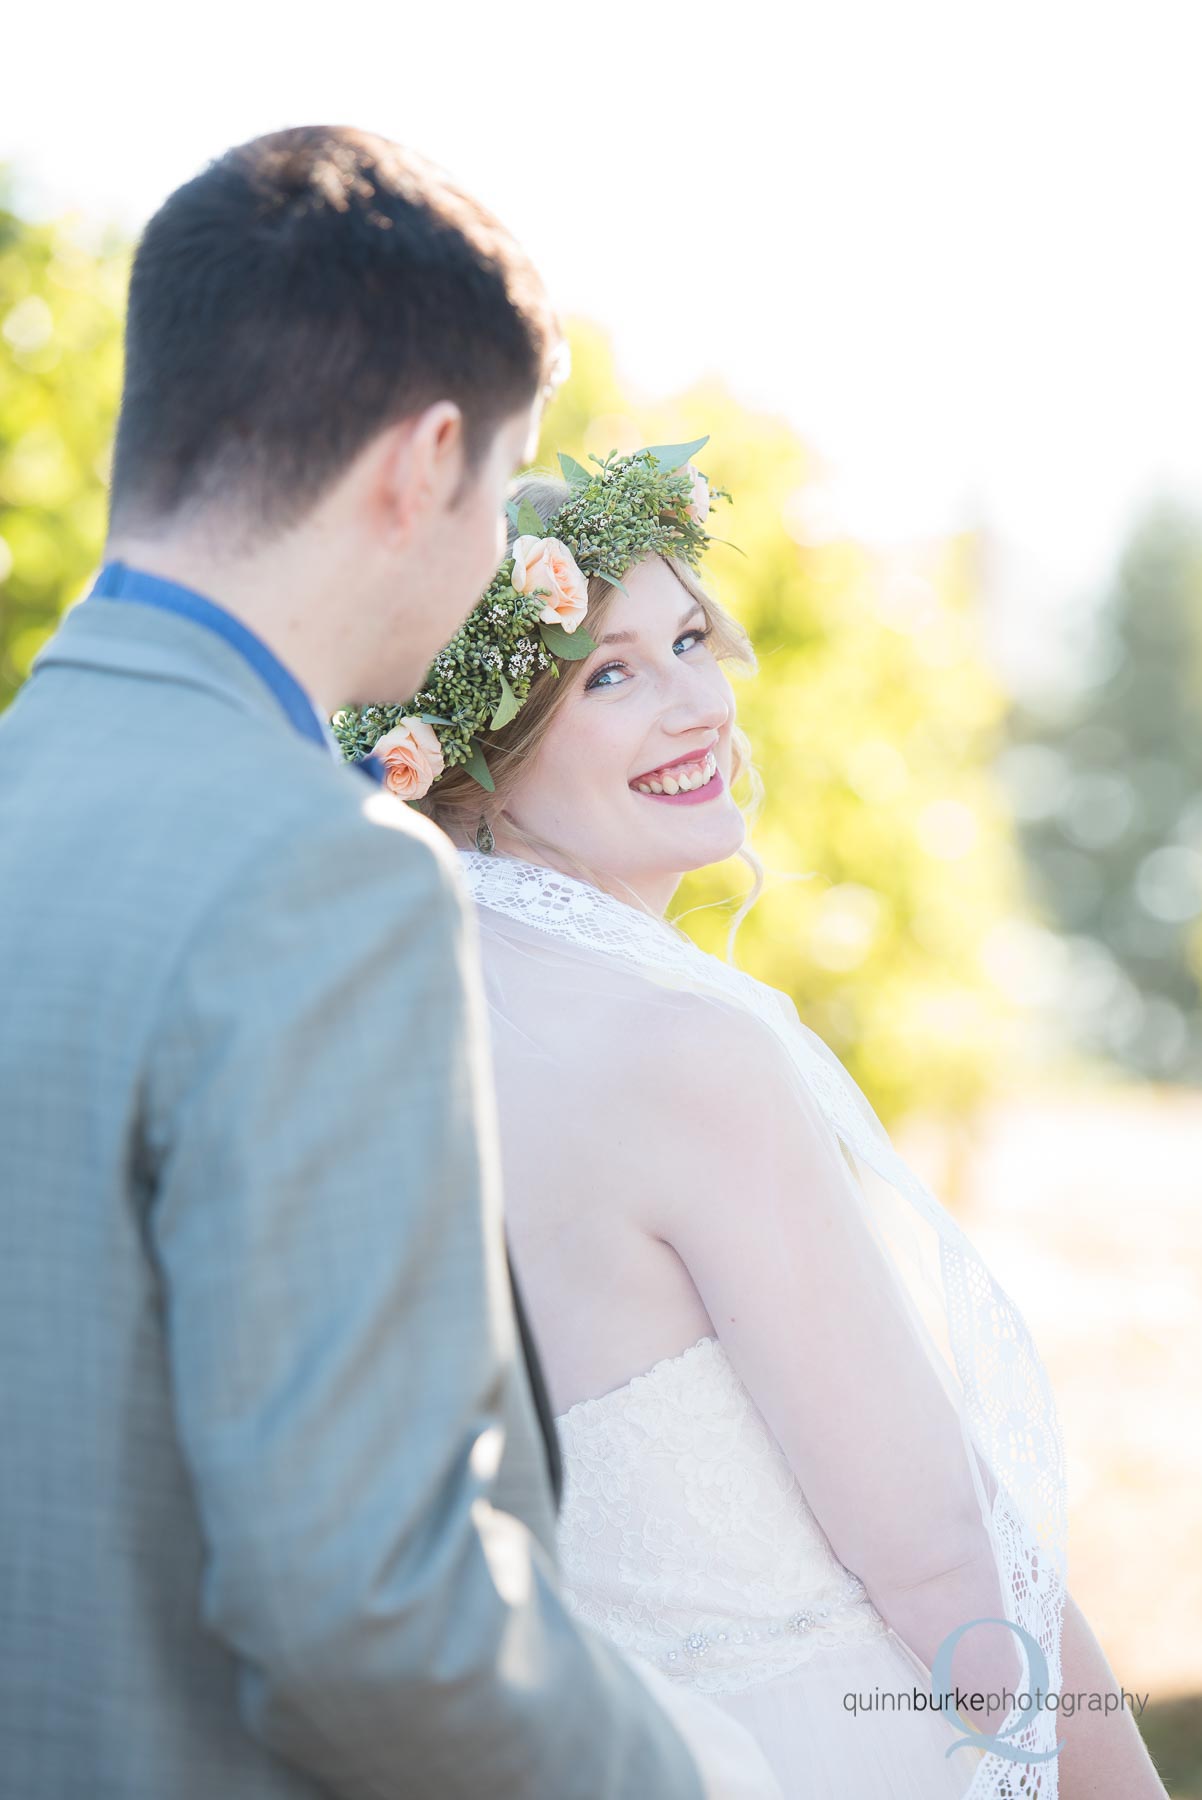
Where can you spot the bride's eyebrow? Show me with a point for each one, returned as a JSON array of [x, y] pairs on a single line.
[[629, 637]]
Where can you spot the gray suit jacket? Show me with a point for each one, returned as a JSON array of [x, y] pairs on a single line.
[[274, 1511]]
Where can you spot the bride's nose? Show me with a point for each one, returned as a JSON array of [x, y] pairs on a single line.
[[697, 702], [710, 718]]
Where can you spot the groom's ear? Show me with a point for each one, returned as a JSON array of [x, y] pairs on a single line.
[[418, 470]]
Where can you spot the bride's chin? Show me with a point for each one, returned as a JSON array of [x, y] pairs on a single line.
[[707, 841]]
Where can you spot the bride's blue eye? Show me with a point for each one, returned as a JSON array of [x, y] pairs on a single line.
[[695, 631], [596, 681]]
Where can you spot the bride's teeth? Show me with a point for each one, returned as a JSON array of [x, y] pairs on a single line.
[[684, 780]]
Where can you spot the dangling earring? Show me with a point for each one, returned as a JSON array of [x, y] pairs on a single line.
[[485, 842]]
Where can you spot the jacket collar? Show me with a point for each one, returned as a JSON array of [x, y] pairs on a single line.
[[130, 638]]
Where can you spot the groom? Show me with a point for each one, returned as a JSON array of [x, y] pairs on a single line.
[[275, 1512]]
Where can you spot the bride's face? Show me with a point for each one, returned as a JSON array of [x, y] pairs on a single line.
[[632, 775]]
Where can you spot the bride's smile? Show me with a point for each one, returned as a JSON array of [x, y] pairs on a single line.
[[691, 778]]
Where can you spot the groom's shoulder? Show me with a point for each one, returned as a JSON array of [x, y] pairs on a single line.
[[385, 832], [330, 809], [304, 823]]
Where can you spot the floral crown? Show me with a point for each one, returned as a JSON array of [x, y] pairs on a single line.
[[529, 617]]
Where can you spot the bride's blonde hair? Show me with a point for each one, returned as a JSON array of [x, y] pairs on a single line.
[[458, 803]]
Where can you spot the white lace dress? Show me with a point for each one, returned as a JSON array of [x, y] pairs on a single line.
[[685, 1538]]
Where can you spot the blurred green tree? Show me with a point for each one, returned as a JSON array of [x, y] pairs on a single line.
[[1108, 786], [61, 306], [874, 720]]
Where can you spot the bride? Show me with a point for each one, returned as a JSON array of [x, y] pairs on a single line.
[[812, 1466]]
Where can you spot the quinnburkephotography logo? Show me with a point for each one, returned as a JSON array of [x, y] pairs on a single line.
[[1036, 1696]]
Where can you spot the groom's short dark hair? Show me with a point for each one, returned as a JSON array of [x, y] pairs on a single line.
[[302, 293]]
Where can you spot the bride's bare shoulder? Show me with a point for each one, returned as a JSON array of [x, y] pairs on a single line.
[[720, 1036], [577, 1022], [744, 1119]]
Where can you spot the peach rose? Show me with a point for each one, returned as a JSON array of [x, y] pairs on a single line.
[[698, 504], [546, 564], [412, 757]]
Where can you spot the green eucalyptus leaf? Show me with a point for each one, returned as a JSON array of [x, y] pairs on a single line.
[[511, 513], [477, 768], [573, 472], [672, 456], [573, 646], [613, 581], [528, 522], [507, 708]]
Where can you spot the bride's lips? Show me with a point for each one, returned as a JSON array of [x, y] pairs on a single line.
[[690, 779], [693, 796]]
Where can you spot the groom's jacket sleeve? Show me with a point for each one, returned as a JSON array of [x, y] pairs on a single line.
[[326, 1222]]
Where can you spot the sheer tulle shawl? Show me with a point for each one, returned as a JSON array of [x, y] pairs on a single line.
[[899, 1378]]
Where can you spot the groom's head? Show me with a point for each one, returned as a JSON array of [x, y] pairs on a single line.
[[328, 342]]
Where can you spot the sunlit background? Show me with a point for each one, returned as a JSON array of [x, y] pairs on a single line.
[[927, 274]]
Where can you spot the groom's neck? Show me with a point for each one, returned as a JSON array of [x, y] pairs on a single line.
[[281, 591]]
